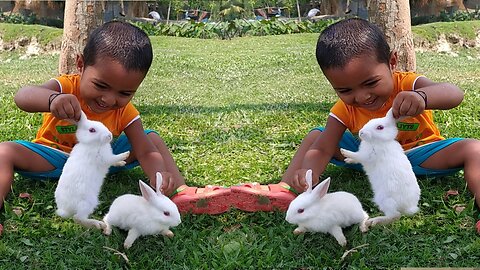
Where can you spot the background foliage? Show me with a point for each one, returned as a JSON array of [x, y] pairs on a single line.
[[235, 111]]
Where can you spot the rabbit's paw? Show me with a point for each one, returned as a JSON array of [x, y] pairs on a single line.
[[107, 230], [349, 160], [337, 232], [348, 156], [364, 226], [346, 153], [298, 231], [119, 163], [127, 245], [167, 233], [124, 155], [342, 241]]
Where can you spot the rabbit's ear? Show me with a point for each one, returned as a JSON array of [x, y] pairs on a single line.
[[83, 118], [308, 179], [159, 182], [389, 115], [147, 191], [321, 189]]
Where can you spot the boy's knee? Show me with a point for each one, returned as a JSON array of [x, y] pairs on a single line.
[[313, 134], [8, 149], [472, 148], [468, 147]]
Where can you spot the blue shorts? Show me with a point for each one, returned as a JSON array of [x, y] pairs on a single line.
[[416, 155], [58, 158]]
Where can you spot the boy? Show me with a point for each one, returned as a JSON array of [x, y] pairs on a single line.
[[114, 62], [356, 59]]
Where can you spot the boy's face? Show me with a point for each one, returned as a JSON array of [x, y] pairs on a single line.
[[363, 82], [107, 85]]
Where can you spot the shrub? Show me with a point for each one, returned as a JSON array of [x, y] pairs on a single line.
[[234, 28]]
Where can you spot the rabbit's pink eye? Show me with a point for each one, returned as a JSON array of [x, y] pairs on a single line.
[[92, 130], [300, 210], [166, 213], [379, 127]]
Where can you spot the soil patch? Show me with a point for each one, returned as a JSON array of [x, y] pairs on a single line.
[[447, 43], [30, 46]]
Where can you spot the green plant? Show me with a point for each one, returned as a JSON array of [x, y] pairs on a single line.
[[445, 16], [234, 28], [17, 18], [29, 19], [235, 111]]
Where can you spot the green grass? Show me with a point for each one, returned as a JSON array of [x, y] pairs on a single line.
[[235, 111], [45, 35], [431, 32]]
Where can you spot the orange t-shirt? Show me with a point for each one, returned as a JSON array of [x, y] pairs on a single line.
[[60, 134], [413, 131]]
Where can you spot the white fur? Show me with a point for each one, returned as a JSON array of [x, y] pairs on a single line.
[[318, 211], [389, 171], [149, 214], [82, 177]]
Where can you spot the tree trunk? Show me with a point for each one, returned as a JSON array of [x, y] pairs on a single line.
[[393, 17], [299, 14], [19, 7], [134, 9], [81, 17]]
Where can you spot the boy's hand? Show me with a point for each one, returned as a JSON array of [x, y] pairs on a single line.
[[299, 182], [408, 103], [168, 185], [66, 106]]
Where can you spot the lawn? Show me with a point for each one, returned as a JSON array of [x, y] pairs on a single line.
[[235, 111]]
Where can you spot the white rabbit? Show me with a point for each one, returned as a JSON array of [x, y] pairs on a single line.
[[82, 177], [149, 214], [389, 171], [318, 211]]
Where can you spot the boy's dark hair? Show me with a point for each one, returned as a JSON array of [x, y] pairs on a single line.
[[121, 42], [347, 39]]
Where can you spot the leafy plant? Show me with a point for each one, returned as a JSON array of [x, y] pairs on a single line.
[[234, 111], [234, 28]]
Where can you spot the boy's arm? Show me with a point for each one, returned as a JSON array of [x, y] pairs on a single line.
[[34, 98], [46, 98], [440, 96], [320, 153], [426, 95], [147, 155]]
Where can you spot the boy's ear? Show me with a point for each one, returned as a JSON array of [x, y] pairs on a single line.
[[80, 63], [393, 61]]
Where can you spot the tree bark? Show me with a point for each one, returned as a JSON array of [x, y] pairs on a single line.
[[393, 17], [81, 17]]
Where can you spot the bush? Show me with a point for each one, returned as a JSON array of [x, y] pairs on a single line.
[[30, 19], [235, 28], [447, 17]]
